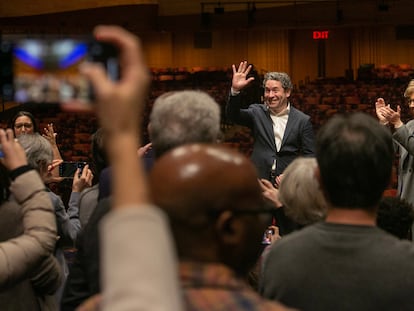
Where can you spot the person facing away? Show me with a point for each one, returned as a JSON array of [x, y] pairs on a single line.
[[299, 194], [88, 199], [345, 262], [176, 118], [403, 142], [29, 273], [39, 155], [213, 200], [299, 198], [132, 279], [280, 131]]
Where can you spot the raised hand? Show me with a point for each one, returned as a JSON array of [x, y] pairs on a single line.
[[120, 102], [13, 154], [49, 134], [142, 150], [270, 192], [380, 109], [240, 79], [82, 181]]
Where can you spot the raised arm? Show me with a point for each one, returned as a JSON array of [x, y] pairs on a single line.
[[132, 279], [402, 134], [240, 80], [19, 256], [234, 111]]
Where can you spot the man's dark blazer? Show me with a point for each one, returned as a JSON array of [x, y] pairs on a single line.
[[298, 139]]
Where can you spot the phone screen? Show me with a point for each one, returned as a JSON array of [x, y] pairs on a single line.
[[68, 169], [47, 70]]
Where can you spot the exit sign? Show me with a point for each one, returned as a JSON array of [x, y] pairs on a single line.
[[320, 35]]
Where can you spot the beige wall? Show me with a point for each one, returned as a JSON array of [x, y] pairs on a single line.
[[292, 51]]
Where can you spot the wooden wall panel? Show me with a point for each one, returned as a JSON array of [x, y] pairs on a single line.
[[303, 55], [269, 50], [158, 49], [292, 51], [337, 53]]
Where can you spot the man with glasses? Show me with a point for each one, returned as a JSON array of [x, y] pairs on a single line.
[[214, 202], [403, 136]]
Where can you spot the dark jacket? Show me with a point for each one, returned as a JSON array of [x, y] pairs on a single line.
[[298, 139]]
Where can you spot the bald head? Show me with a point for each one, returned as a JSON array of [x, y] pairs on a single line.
[[197, 177], [203, 188]]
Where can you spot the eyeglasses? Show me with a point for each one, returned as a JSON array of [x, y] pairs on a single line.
[[26, 125], [200, 222]]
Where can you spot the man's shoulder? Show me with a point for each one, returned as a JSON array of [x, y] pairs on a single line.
[[410, 124], [402, 249], [298, 113], [231, 293], [91, 192], [56, 199]]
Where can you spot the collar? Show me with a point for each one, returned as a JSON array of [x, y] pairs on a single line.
[[212, 275], [284, 112]]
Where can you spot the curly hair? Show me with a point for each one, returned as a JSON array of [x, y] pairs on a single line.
[[396, 216]]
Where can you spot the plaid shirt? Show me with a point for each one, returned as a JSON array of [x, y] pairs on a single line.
[[215, 287]]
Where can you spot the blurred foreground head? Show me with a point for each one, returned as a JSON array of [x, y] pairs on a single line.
[[355, 157], [213, 199]]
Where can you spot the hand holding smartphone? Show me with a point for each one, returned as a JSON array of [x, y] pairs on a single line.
[[68, 169]]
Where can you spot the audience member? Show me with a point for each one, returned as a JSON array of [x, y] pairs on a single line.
[[24, 123], [402, 135], [302, 200], [299, 193], [212, 198], [280, 131], [177, 118], [39, 155], [183, 117], [28, 271], [141, 275], [396, 216], [88, 199], [334, 264]]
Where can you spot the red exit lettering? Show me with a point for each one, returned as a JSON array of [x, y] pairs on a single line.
[[317, 35]]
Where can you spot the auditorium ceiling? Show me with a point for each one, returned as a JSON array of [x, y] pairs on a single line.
[[170, 14]]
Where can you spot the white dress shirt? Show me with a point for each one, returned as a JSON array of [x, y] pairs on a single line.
[[279, 125]]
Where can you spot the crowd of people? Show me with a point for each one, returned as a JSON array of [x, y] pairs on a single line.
[[178, 222]]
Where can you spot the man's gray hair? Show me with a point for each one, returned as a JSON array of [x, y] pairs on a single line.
[[38, 150], [282, 77], [183, 117]]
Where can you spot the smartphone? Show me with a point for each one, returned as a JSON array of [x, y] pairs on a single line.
[[46, 69], [68, 169], [267, 237]]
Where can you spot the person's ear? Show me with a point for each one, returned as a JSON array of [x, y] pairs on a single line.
[[229, 228]]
